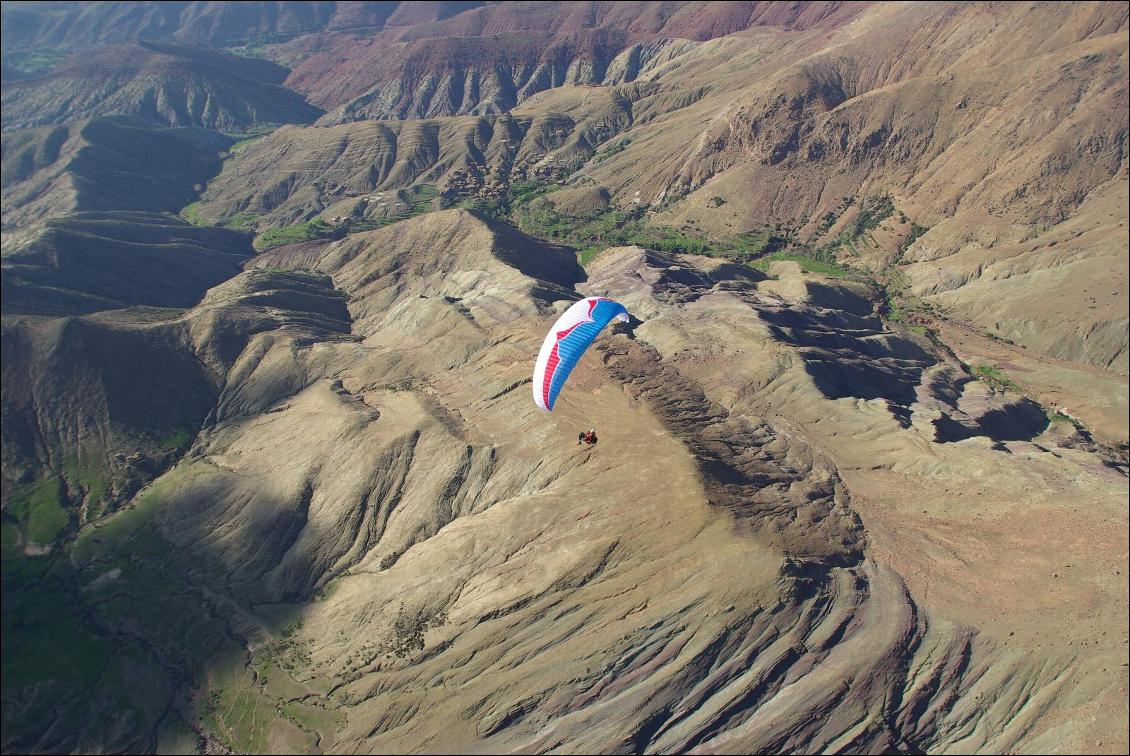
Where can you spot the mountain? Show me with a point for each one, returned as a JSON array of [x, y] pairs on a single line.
[[70, 25], [295, 173], [489, 59], [161, 83], [999, 188], [274, 276], [112, 163], [70, 402], [89, 262], [370, 452], [407, 60], [938, 171]]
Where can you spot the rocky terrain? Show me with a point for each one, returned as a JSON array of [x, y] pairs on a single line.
[[272, 479], [978, 216], [370, 426], [356, 170], [412, 60]]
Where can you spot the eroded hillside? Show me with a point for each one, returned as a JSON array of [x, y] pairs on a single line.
[[114, 163], [163, 84], [374, 478], [978, 174], [272, 478]]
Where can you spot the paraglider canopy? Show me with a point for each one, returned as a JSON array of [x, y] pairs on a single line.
[[567, 341]]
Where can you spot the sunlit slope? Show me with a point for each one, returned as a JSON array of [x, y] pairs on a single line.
[[409, 555], [969, 159]]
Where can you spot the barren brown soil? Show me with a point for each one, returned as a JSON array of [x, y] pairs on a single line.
[[861, 484]]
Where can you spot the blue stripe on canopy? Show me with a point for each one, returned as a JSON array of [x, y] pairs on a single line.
[[572, 347]]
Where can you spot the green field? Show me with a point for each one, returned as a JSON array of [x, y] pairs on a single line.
[[191, 213], [995, 377], [299, 232], [534, 213], [38, 507]]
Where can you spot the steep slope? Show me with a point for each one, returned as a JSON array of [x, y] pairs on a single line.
[[907, 104], [309, 507], [88, 262], [163, 84], [1076, 270], [103, 164], [406, 60], [345, 171], [455, 572], [490, 58], [762, 350], [103, 402], [869, 105], [981, 162]]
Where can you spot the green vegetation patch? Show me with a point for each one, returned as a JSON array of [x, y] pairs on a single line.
[[191, 213], [309, 718], [237, 711], [60, 651], [420, 198], [251, 136], [38, 507], [586, 255], [27, 63], [45, 637], [995, 377], [666, 239], [1054, 416], [300, 232], [522, 192], [614, 149], [871, 214], [829, 218], [126, 527], [91, 478], [242, 220], [591, 233], [754, 244], [284, 651], [174, 440], [916, 231], [496, 207], [63, 665], [69, 618], [899, 304]]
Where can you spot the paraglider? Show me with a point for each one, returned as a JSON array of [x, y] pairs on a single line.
[[567, 341]]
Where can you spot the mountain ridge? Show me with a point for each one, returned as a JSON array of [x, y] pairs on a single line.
[[271, 476]]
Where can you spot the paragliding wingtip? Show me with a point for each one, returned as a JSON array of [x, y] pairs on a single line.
[[623, 317]]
